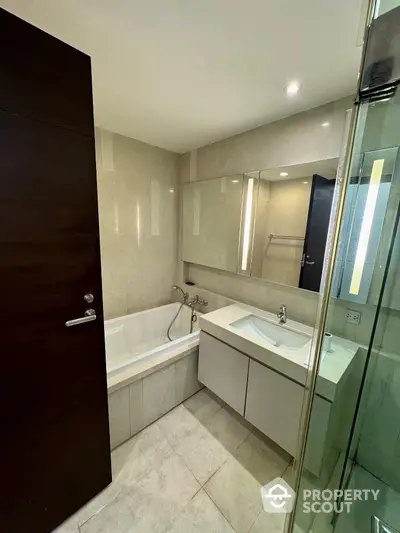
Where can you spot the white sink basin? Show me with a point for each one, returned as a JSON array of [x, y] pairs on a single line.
[[279, 335]]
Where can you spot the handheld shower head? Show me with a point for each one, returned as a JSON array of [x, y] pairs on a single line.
[[183, 293]]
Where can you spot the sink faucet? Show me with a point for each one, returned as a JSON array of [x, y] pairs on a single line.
[[282, 314]]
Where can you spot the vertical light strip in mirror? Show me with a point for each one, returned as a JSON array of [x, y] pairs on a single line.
[[247, 223], [196, 211], [366, 225], [138, 225]]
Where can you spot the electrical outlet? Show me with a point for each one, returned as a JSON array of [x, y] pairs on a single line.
[[353, 317]]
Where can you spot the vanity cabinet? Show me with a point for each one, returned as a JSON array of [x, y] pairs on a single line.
[[274, 405], [269, 400], [224, 371]]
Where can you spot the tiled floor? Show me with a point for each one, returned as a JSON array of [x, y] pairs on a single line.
[[197, 469], [387, 506]]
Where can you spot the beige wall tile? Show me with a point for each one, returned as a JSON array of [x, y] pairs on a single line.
[[138, 212], [301, 305], [293, 140]]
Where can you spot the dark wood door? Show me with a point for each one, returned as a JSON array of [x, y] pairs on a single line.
[[54, 445], [316, 233], [43, 78]]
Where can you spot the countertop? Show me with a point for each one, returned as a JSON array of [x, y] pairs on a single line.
[[293, 364]]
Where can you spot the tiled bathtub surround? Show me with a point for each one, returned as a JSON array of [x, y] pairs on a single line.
[[138, 210], [135, 406]]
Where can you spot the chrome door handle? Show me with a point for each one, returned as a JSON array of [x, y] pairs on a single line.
[[90, 315]]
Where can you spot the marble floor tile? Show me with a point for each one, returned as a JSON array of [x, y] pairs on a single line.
[[158, 498], [130, 462], [69, 526], [203, 405], [124, 454], [229, 428], [158, 475], [202, 453], [116, 517], [149, 506], [386, 507], [97, 503], [145, 452], [236, 494], [269, 523], [201, 516], [262, 458], [177, 425]]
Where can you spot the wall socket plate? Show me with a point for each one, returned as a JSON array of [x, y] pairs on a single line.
[[353, 317]]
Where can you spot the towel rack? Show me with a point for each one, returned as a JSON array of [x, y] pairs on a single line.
[[289, 237]]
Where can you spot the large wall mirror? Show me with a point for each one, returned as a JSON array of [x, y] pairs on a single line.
[[291, 226], [270, 224], [273, 224], [211, 222]]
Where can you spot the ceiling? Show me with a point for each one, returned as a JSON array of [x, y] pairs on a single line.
[[184, 73]]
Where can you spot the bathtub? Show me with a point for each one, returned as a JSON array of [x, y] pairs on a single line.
[[143, 336], [147, 374]]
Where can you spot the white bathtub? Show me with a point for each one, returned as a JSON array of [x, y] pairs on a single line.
[[135, 339]]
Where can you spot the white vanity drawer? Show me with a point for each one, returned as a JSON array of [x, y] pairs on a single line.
[[224, 371], [274, 405]]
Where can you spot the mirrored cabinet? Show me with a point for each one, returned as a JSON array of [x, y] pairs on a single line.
[[211, 222], [270, 224]]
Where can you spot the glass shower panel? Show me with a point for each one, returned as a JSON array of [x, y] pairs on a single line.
[[384, 6], [361, 440]]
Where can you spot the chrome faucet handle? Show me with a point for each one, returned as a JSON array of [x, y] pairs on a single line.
[[197, 300], [282, 314]]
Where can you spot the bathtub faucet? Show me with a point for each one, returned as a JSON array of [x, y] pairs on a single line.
[[185, 295], [197, 300]]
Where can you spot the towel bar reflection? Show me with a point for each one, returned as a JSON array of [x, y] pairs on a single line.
[[289, 237]]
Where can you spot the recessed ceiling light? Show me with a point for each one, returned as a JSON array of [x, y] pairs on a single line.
[[292, 88], [235, 181], [305, 182], [325, 124], [172, 190], [284, 174]]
